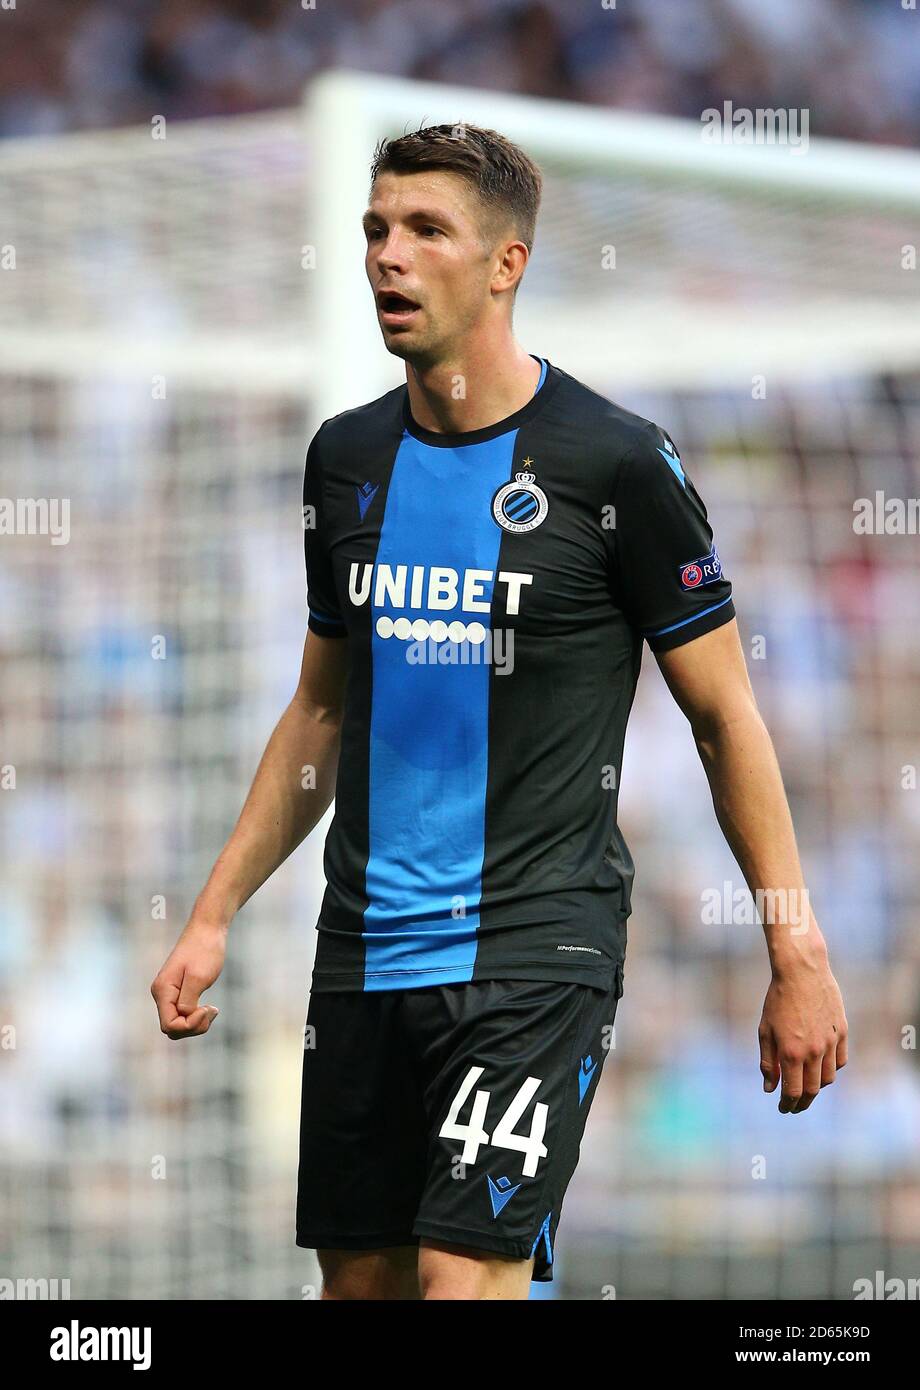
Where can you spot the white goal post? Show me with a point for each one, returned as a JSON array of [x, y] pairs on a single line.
[[729, 260], [229, 252]]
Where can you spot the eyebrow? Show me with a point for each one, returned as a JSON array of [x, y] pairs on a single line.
[[417, 215]]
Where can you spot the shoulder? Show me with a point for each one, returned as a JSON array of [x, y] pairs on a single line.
[[361, 426], [616, 437]]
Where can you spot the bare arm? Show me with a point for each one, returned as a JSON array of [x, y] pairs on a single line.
[[278, 814], [803, 1030]]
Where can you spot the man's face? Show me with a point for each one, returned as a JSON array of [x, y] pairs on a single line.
[[427, 262]]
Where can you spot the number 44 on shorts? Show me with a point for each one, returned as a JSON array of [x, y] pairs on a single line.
[[503, 1136]]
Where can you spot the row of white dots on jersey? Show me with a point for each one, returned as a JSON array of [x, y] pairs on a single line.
[[421, 630]]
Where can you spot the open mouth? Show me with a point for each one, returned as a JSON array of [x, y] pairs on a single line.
[[395, 307]]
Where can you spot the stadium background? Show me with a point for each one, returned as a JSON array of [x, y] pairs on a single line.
[[185, 513]]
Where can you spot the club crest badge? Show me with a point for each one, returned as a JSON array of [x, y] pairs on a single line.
[[521, 505]]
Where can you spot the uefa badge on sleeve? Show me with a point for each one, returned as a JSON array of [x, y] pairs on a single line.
[[706, 570]]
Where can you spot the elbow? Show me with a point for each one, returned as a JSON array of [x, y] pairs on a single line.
[[711, 726], [329, 716]]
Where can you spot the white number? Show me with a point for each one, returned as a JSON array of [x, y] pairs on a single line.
[[503, 1136], [473, 1133], [531, 1145]]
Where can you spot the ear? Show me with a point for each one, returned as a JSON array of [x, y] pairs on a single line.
[[511, 262]]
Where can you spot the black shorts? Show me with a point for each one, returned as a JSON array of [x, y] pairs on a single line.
[[454, 1112]]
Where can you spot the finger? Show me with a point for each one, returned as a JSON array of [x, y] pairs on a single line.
[[192, 985], [198, 1022], [178, 1028], [202, 1018], [811, 1083], [829, 1067], [791, 1092], [165, 996], [769, 1060], [842, 1050]]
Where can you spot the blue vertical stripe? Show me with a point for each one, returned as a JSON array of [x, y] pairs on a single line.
[[429, 723]]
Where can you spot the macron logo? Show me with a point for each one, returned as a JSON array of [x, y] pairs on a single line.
[[671, 459], [365, 494], [585, 1072], [501, 1194]]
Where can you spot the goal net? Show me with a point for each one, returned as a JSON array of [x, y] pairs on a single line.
[[179, 308]]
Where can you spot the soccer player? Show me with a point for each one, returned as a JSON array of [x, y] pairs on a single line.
[[487, 549]]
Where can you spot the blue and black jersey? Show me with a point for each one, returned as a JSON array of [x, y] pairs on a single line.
[[494, 588]]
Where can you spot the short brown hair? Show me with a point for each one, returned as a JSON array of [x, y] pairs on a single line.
[[508, 183]]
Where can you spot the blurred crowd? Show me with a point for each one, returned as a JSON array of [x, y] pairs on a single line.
[[131, 772], [71, 64]]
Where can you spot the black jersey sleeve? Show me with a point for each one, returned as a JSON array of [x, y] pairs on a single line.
[[325, 616], [666, 570]]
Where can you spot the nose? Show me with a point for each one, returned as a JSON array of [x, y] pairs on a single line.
[[391, 253]]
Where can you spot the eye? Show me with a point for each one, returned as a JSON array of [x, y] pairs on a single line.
[[372, 233], [431, 231]]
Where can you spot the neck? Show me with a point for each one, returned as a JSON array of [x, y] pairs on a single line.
[[476, 386]]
